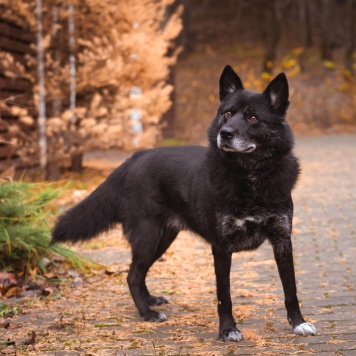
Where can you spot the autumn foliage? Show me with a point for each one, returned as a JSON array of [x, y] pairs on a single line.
[[123, 51]]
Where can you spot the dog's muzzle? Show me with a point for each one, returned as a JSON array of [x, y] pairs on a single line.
[[227, 141]]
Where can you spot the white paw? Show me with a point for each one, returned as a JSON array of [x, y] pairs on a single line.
[[305, 329], [161, 317], [234, 336]]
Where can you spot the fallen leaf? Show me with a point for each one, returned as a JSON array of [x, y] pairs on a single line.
[[7, 281], [31, 340], [14, 326], [8, 342], [47, 291], [14, 291]]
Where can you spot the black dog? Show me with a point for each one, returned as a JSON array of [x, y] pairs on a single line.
[[235, 194]]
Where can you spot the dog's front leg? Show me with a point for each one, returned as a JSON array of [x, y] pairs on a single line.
[[227, 325], [283, 254]]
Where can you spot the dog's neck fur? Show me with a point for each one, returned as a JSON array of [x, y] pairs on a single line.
[[241, 176]]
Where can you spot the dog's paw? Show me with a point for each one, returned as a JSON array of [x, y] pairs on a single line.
[[305, 329], [154, 316], [232, 335], [156, 300]]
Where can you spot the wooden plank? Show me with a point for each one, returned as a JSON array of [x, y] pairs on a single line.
[[10, 30], [7, 115], [19, 57], [27, 130], [11, 45], [5, 121], [23, 136], [14, 84], [6, 151], [16, 98]]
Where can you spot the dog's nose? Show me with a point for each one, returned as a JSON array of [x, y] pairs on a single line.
[[226, 132]]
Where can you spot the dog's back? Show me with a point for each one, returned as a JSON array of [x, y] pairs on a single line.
[[159, 181]]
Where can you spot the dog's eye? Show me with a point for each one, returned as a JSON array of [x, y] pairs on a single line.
[[252, 118], [227, 114]]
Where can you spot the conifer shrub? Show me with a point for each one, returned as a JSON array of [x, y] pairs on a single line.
[[27, 211]]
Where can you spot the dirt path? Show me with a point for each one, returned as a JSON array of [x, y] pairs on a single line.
[[96, 316]]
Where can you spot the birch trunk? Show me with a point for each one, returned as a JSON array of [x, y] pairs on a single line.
[[77, 158], [41, 89]]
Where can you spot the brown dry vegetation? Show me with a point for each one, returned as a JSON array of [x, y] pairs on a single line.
[[322, 92], [322, 100]]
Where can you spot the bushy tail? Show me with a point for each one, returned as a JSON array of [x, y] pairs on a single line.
[[95, 214]]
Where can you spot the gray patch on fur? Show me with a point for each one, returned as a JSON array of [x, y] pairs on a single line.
[[282, 221], [237, 144], [231, 88], [249, 232], [176, 223], [274, 98]]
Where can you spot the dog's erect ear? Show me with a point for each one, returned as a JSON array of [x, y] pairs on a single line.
[[277, 93], [229, 82]]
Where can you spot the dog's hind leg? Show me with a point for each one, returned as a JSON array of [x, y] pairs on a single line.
[[166, 240], [148, 244]]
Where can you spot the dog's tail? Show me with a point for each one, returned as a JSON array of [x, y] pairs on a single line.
[[95, 214]]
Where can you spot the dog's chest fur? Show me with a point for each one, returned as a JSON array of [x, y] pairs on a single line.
[[253, 206], [241, 232]]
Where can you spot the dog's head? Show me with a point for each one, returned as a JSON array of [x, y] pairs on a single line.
[[248, 124]]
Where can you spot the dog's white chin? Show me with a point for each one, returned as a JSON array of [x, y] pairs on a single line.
[[236, 145]]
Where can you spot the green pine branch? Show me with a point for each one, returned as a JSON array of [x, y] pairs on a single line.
[[26, 213]]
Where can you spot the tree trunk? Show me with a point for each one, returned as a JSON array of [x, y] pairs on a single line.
[[52, 170], [77, 162], [41, 89], [274, 26], [77, 158], [308, 24], [168, 118], [72, 65], [57, 102], [185, 38], [351, 36], [326, 30], [305, 32]]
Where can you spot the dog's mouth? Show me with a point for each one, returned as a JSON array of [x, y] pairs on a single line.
[[249, 149], [228, 148], [236, 145]]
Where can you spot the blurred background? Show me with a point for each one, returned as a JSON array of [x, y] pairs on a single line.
[[86, 75]]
